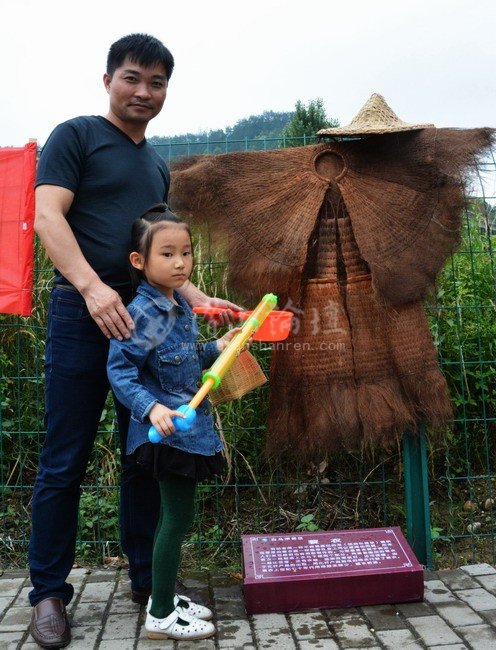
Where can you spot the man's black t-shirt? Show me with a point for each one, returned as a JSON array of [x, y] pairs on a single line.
[[114, 181]]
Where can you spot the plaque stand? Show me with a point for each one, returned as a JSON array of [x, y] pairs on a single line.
[[418, 520]]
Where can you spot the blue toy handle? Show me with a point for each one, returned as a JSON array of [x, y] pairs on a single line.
[[154, 436], [181, 424]]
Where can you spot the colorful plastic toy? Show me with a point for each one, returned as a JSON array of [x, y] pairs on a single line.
[[213, 377], [275, 327]]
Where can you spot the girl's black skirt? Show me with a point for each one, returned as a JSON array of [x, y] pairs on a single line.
[[160, 460]]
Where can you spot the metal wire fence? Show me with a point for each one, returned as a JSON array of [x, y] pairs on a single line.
[[256, 495]]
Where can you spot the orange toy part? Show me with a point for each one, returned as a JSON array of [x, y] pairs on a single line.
[[276, 326]]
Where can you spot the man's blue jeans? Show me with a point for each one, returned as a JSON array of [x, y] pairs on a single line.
[[76, 390]]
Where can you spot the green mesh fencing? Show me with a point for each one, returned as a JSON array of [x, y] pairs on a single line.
[[343, 491]]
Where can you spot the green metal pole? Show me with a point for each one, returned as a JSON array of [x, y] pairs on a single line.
[[418, 519]]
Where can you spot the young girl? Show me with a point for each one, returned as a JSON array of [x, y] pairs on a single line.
[[153, 373]]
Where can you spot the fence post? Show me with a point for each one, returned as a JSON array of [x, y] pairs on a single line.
[[418, 519]]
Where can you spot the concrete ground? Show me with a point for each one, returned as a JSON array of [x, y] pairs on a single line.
[[459, 611]]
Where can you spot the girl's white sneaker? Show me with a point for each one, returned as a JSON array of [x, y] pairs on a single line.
[[187, 606], [178, 625]]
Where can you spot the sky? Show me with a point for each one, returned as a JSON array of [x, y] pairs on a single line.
[[434, 61]]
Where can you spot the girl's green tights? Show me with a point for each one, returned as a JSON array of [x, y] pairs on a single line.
[[177, 496]]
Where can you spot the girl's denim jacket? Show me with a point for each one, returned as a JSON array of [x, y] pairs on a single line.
[[162, 362]]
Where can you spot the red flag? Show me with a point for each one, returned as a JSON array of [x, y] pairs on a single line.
[[17, 175]]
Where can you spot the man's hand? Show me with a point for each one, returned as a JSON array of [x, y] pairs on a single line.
[[107, 310], [104, 304], [161, 418], [224, 318], [197, 298]]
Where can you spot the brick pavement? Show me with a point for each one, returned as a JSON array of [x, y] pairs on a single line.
[[459, 611]]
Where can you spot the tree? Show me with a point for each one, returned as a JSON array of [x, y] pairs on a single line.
[[306, 121]]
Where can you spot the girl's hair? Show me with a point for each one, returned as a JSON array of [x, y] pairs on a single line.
[[142, 230]]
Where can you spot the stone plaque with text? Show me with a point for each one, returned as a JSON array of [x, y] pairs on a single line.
[[340, 568]]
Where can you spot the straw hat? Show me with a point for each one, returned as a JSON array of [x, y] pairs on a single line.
[[375, 116]]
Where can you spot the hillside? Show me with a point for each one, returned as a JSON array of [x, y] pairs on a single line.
[[258, 128]]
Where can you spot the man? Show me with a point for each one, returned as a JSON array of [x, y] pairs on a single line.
[[95, 176]]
